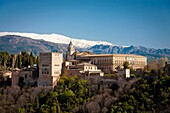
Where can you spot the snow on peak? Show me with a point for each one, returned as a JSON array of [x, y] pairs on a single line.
[[56, 38]]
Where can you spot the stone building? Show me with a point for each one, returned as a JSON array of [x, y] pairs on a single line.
[[108, 63], [28, 76], [15, 77], [89, 69], [50, 68], [85, 71]]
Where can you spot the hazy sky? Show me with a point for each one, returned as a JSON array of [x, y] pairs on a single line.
[[121, 22]]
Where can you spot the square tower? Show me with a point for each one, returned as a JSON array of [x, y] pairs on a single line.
[[50, 68]]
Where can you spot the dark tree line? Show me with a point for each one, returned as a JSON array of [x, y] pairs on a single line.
[[24, 59]]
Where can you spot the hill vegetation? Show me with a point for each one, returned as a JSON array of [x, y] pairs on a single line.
[[148, 93]]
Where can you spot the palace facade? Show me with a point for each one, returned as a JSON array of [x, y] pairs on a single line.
[[111, 62]]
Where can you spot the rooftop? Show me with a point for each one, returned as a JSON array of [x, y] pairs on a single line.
[[29, 69], [85, 64], [107, 55]]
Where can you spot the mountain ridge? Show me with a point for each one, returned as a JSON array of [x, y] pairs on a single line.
[[151, 53], [15, 44], [56, 38]]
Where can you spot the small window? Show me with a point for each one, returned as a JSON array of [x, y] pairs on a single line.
[[25, 75]]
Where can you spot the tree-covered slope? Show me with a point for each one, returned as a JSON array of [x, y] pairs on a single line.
[[150, 94]]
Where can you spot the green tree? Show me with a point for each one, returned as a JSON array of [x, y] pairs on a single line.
[[5, 57], [25, 59], [21, 110], [18, 63], [67, 55], [71, 92], [31, 59], [126, 65], [31, 62], [13, 60], [38, 60]]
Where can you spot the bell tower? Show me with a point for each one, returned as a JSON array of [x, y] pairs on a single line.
[[70, 48]]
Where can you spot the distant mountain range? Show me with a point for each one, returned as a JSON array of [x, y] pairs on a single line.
[[60, 39], [16, 43], [151, 53]]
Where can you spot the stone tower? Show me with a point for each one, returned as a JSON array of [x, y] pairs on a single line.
[[70, 48], [50, 68]]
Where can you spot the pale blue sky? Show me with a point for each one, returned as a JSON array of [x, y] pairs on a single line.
[[121, 22]]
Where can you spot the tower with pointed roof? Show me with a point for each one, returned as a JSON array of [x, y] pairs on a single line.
[[70, 48]]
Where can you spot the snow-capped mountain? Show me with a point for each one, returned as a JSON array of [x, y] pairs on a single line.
[[14, 44], [56, 38]]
